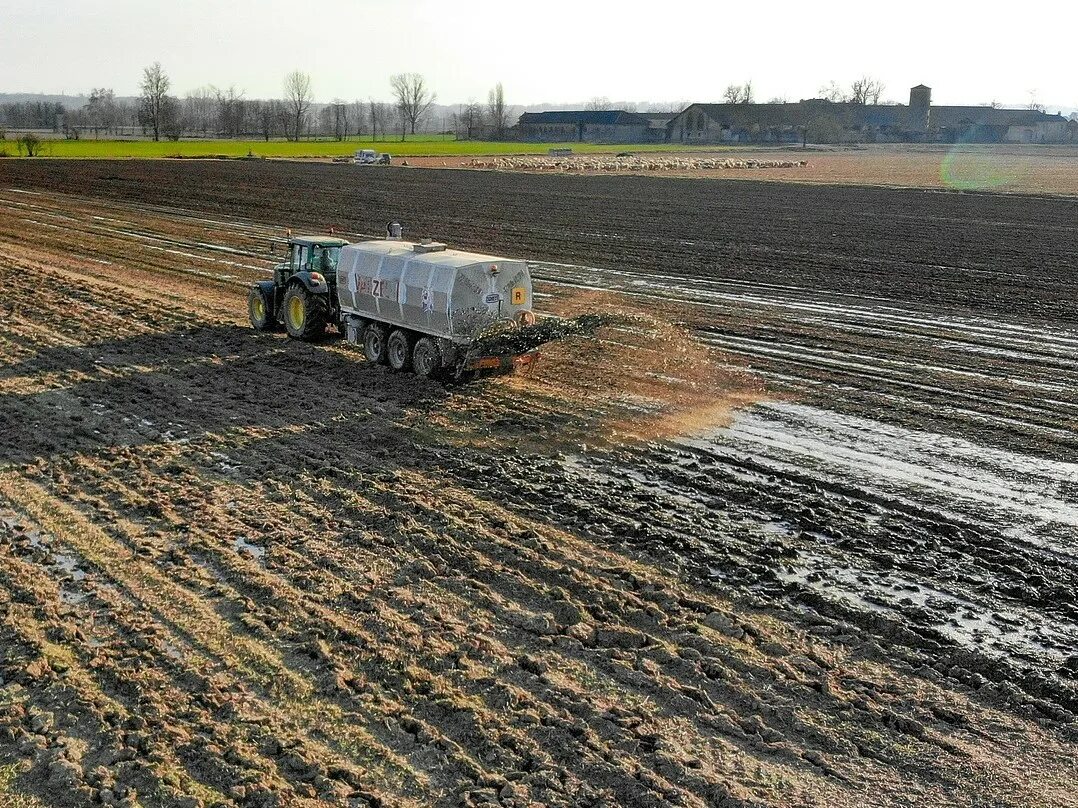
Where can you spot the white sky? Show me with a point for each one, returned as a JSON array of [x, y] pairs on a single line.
[[554, 51]]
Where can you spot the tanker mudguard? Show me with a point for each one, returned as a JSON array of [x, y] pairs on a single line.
[[313, 285]]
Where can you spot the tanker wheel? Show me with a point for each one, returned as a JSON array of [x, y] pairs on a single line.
[[399, 350], [426, 358], [260, 310], [304, 314], [374, 343]]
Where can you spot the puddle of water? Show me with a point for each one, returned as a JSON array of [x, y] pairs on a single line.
[[70, 565], [14, 525], [257, 550], [1001, 488], [1005, 631], [778, 528], [173, 651], [71, 597]]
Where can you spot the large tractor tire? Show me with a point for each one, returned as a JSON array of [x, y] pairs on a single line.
[[399, 350], [260, 310], [304, 314], [426, 358], [374, 343]]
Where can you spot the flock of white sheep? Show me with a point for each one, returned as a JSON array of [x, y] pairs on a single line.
[[627, 163]]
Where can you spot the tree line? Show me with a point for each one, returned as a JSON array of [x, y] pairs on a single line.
[[226, 112], [863, 91]]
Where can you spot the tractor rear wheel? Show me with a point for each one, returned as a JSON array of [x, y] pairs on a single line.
[[374, 343], [399, 350], [304, 313], [260, 310], [426, 358]]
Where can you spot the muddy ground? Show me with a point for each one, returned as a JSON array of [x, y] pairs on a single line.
[[239, 570]]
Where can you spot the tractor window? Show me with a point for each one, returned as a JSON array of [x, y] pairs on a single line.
[[299, 257], [330, 257]]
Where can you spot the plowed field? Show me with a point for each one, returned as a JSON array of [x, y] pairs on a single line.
[[815, 544]]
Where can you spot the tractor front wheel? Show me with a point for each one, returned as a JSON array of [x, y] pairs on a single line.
[[260, 310], [304, 313]]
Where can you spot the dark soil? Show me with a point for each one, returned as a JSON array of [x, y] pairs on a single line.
[[979, 252]]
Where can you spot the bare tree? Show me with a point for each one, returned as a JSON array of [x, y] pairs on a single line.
[[496, 111], [171, 118], [599, 103], [229, 110], [339, 114], [738, 93], [124, 113], [101, 110], [866, 90], [267, 115], [297, 96], [358, 116], [833, 92], [154, 88], [412, 97], [378, 113], [198, 110], [671, 106], [470, 117]]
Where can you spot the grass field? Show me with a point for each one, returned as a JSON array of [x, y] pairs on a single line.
[[432, 147]]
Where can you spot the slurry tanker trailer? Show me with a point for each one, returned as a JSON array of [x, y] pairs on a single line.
[[415, 306]]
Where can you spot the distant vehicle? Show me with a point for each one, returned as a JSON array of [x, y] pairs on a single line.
[[412, 305], [369, 157], [560, 152]]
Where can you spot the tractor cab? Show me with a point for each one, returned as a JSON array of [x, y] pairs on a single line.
[[303, 292], [311, 254]]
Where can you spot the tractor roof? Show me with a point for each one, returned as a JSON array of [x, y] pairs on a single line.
[[321, 241]]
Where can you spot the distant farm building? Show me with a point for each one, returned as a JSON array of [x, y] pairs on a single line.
[[592, 126], [832, 121]]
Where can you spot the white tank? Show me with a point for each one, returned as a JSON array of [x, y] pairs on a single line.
[[430, 289]]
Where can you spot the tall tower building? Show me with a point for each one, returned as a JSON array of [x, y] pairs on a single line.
[[920, 108]]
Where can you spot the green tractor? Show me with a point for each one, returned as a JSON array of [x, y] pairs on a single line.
[[303, 292]]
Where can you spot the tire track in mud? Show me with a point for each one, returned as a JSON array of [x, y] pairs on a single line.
[[626, 625]]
